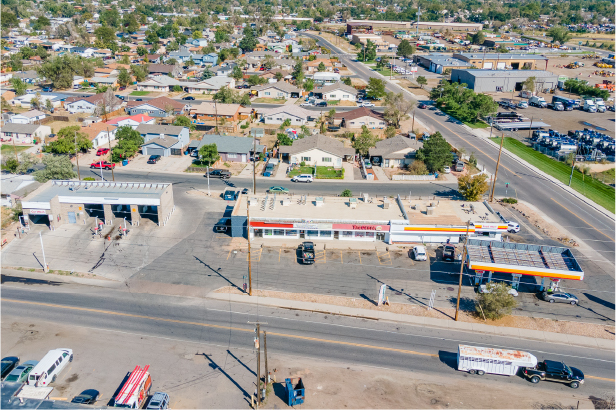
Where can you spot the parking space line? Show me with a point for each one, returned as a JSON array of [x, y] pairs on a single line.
[[279, 254], [384, 258], [319, 257], [229, 254], [255, 256], [58, 398], [341, 257], [359, 253]]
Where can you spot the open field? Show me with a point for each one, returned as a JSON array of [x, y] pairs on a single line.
[[593, 189]]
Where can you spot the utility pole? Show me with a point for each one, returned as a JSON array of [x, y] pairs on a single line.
[[577, 146], [249, 254], [254, 165], [413, 126], [77, 157], [265, 353], [462, 269], [216, 111], [497, 165], [45, 269], [208, 179], [110, 153], [258, 347], [530, 130]]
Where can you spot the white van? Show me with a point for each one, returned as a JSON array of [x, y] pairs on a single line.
[[46, 371]]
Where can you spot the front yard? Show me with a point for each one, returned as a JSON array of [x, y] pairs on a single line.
[[265, 100], [322, 172], [139, 93]]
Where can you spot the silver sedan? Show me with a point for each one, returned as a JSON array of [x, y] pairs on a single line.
[[560, 297]]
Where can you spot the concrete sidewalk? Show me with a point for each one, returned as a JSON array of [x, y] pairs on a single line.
[[548, 337]]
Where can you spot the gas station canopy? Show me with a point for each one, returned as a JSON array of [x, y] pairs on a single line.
[[524, 259]]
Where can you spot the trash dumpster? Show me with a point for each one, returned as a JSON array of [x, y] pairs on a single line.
[[124, 162], [295, 394]]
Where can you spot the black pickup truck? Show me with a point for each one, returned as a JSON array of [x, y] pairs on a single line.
[[307, 253], [555, 372], [220, 173]]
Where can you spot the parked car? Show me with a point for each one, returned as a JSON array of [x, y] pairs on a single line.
[[307, 104], [321, 104], [159, 401], [102, 151], [522, 104], [554, 371], [449, 253], [89, 396], [223, 225], [418, 253], [307, 252], [154, 159], [138, 99], [220, 173], [422, 106], [302, 178], [189, 98], [447, 170], [8, 364], [278, 189], [367, 163], [122, 88], [121, 97], [20, 373], [230, 195], [47, 89], [559, 297], [102, 164], [366, 104]]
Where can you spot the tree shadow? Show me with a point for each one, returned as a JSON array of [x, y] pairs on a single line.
[[217, 271], [28, 281], [368, 299], [600, 301]]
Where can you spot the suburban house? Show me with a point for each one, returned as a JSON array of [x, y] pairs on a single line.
[[210, 59], [325, 77], [182, 56], [230, 149], [132, 121], [29, 77], [28, 117], [157, 107], [108, 81], [396, 152], [207, 111], [312, 66], [153, 58], [163, 140], [338, 91], [25, 133], [280, 89], [317, 150], [99, 133], [209, 86], [91, 104], [360, 116], [297, 115], [164, 69]]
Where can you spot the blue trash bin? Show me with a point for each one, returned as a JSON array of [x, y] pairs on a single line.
[[124, 162]]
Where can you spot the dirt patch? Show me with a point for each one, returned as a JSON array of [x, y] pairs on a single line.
[[520, 322], [234, 167], [557, 65], [86, 275]]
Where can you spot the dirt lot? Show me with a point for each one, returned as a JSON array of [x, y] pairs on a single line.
[[234, 167], [557, 65]]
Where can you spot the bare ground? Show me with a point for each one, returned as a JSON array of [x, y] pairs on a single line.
[[520, 322]]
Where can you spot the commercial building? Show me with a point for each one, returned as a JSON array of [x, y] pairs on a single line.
[[57, 202], [504, 61], [432, 25], [486, 81], [378, 24], [437, 63], [295, 217]]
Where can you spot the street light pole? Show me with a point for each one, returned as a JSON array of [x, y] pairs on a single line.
[[497, 165], [573, 161]]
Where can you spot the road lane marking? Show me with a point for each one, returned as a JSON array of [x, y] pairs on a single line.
[[359, 253], [279, 253], [601, 378], [581, 219], [58, 398], [251, 330]]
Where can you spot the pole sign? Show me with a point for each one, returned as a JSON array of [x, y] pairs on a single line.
[[381, 295]]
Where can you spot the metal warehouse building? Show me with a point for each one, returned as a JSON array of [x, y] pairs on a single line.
[[487, 81], [58, 202]]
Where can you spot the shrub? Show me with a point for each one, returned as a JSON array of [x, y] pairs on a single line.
[[244, 126], [302, 164], [496, 303], [226, 164], [346, 193], [418, 167], [510, 200], [89, 179]]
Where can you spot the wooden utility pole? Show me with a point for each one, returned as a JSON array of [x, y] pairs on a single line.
[[413, 126], [254, 166], [497, 165], [110, 154], [249, 254], [77, 157], [462, 270], [258, 365], [265, 352]]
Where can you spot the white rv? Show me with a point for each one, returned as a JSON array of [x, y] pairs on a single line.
[[481, 360], [49, 367]]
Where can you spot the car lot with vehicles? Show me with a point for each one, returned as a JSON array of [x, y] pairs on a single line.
[[21, 372]]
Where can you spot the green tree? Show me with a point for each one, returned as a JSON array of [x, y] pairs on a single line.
[[502, 49], [496, 302], [237, 73], [10, 164], [19, 86], [368, 52], [478, 38], [183, 121], [390, 132], [65, 143], [142, 51], [124, 77], [56, 167], [61, 70], [397, 108], [347, 81], [248, 42], [9, 19], [283, 139], [209, 154], [473, 188], [559, 34], [131, 24], [321, 67], [421, 80], [177, 88], [529, 83], [27, 162], [376, 88], [309, 84], [405, 49], [225, 96], [435, 153], [256, 80], [346, 193], [41, 23], [106, 35], [129, 141], [139, 72], [364, 141], [206, 74], [286, 123]]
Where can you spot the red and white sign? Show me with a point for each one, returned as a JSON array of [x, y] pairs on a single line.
[[37, 212], [361, 227], [413, 69]]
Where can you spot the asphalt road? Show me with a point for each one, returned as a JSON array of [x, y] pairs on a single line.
[[322, 337], [583, 220]]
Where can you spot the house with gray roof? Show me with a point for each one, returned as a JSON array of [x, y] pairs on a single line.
[[298, 116], [338, 92], [25, 133], [396, 152], [230, 149], [317, 150], [163, 140], [280, 89]]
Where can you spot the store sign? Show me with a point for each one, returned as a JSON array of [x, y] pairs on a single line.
[[490, 226], [37, 212], [361, 227]]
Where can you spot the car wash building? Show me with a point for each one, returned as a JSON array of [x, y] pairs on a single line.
[[59, 202]]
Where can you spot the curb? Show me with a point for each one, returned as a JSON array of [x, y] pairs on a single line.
[[550, 178], [548, 337]]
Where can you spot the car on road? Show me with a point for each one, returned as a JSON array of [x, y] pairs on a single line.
[[321, 104], [47, 89], [307, 252], [560, 297], [422, 106], [513, 227], [275, 189], [89, 396], [366, 104], [302, 178], [138, 99], [8, 364], [307, 104], [220, 173], [102, 151], [418, 253], [20, 373], [159, 401], [154, 159], [447, 170], [449, 253], [189, 98], [554, 371], [102, 164]]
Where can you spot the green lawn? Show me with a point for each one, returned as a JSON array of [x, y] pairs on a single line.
[[330, 173], [139, 93], [386, 72], [333, 102], [591, 188], [476, 124], [300, 170], [7, 149]]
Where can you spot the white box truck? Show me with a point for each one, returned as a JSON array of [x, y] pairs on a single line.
[[482, 360], [537, 101]]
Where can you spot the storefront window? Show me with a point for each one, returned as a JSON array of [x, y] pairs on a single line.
[[325, 234], [347, 234], [291, 232], [312, 234], [360, 234], [370, 235], [278, 232], [267, 232]]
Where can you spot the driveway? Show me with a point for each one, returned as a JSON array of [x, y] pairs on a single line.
[[166, 164]]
